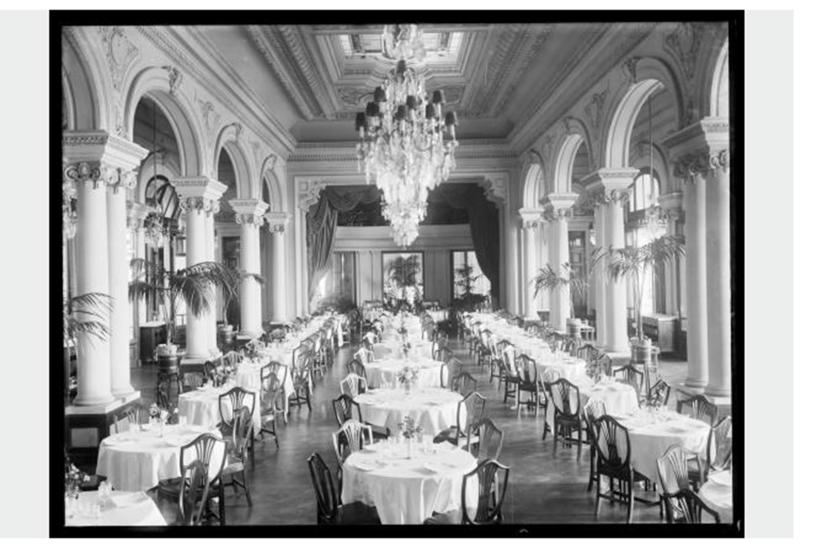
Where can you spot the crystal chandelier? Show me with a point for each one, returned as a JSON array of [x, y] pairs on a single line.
[[406, 144]]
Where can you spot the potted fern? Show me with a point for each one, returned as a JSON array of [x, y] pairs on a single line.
[[231, 294], [633, 263], [87, 313], [548, 279], [191, 285]]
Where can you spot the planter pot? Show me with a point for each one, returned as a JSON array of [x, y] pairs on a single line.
[[642, 351], [573, 327], [168, 364], [225, 336]]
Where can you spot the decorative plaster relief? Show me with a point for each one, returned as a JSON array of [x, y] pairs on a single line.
[[175, 79], [120, 53], [683, 44], [594, 110]]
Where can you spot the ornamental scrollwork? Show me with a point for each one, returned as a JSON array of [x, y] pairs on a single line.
[[198, 203], [80, 172], [278, 228], [175, 79], [701, 163], [120, 53], [248, 219]]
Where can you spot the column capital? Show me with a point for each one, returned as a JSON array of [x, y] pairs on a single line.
[[531, 217], [199, 193], [609, 183], [277, 221], [99, 157], [700, 147], [671, 203], [559, 205], [249, 211]]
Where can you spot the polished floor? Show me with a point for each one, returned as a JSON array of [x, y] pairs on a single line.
[[542, 488]]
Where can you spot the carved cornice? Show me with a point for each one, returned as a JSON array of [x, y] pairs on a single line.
[[308, 192], [496, 187], [607, 185], [199, 193], [700, 148], [100, 146], [560, 205]]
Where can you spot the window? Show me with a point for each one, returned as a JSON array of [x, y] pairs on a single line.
[[466, 275], [645, 192], [645, 195]]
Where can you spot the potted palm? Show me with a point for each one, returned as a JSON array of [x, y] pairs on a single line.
[[191, 285], [548, 279], [401, 287], [633, 263], [87, 313], [231, 294]]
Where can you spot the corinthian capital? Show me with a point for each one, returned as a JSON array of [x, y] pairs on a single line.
[[531, 218], [249, 211], [277, 221]]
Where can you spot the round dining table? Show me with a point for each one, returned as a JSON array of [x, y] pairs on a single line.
[[139, 460], [651, 433], [433, 409], [383, 373], [619, 398], [122, 509], [202, 406], [393, 349], [408, 486], [717, 494]]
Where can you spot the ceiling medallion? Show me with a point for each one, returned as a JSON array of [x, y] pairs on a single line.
[[406, 143]]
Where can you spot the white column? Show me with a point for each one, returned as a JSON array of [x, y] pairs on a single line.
[[551, 256], [118, 274], [277, 222], [562, 205], [249, 217], [137, 214], [672, 204], [198, 195], [718, 254], [531, 219], [599, 288], [93, 354], [611, 185], [211, 315]]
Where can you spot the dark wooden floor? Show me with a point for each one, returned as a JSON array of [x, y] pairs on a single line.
[[542, 488]]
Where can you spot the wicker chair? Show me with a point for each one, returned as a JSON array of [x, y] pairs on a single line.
[[199, 484], [330, 511], [567, 413]]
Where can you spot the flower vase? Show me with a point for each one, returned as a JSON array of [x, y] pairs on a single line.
[[407, 386], [408, 447]]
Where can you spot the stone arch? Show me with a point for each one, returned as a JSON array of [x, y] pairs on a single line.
[[84, 97], [564, 163], [661, 167], [153, 83], [228, 138], [720, 91], [650, 75], [533, 185], [273, 183]]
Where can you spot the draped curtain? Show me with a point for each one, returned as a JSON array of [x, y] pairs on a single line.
[[321, 220], [482, 217]]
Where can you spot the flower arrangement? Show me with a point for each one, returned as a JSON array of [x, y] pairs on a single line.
[[407, 376], [408, 428], [74, 478], [255, 350]]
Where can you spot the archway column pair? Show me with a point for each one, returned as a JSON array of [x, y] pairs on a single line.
[[249, 215], [610, 188], [99, 168], [702, 160], [199, 199]]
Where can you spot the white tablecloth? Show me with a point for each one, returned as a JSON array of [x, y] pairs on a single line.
[[438, 315], [125, 508], [619, 398], [383, 373], [139, 461], [652, 434], [393, 349], [201, 406], [717, 494], [407, 491], [435, 409]]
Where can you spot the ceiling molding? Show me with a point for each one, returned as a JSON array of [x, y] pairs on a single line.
[[259, 119]]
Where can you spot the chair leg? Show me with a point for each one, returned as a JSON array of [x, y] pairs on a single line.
[[221, 503], [579, 443], [599, 495], [556, 433], [246, 489], [630, 501]]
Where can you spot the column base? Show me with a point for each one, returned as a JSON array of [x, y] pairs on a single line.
[[125, 392], [250, 334], [93, 401], [689, 390], [718, 392]]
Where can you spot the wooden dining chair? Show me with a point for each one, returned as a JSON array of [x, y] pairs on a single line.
[[567, 414], [485, 440], [492, 484], [631, 376], [272, 398], [198, 487], [330, 510], [353, 385], [698, 407], [469, 411]]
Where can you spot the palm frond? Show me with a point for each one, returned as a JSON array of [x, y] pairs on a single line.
[[194, 285], [87, 313]]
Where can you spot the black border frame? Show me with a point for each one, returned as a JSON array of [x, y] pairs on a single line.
[[735, 20]]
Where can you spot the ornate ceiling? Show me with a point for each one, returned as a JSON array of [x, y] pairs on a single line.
[[492, 75]]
